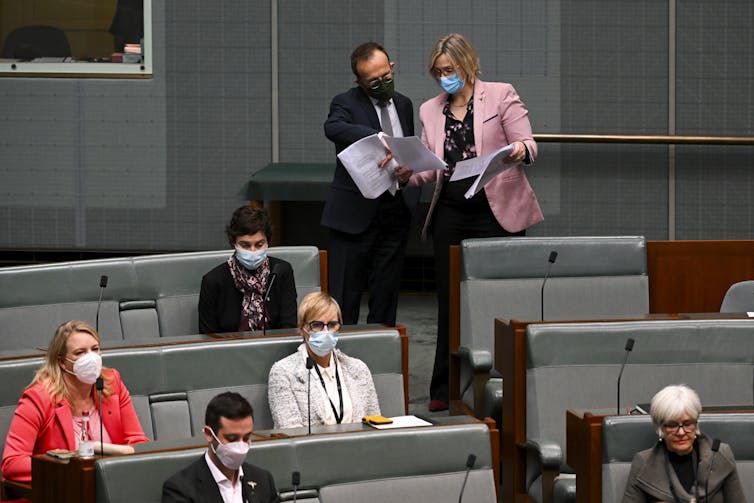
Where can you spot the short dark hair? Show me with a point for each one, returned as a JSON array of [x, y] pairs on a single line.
[[229, 405], [248, 220], [364, 52]]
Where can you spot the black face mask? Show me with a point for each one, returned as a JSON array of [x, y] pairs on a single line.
[[384, 92]]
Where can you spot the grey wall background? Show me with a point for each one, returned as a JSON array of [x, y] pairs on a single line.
[[160, 163]]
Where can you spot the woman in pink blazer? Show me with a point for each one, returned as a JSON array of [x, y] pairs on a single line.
[[49, 413], [471, 118]]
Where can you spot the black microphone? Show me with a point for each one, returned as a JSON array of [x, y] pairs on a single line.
[[715, 448], [629, 347], [309, 365], [295, 481], [266, 298], [102, 286], [100, 385], [273, 277], [469, 465], [551, 260]]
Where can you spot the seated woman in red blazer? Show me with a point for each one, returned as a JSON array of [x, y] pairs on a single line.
[[50, 411]]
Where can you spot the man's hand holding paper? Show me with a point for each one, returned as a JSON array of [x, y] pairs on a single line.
[[376, 161], [364, 161]]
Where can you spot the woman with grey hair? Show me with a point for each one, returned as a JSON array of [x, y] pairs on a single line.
[[682, 467]]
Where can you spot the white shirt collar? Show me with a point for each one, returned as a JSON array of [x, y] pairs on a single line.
[[220, 476]]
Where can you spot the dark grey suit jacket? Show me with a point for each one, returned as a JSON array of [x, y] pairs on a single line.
[[353, 117], [648, 480]]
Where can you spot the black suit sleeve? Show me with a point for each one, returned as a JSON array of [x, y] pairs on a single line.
[[172, 493], [341, 127]]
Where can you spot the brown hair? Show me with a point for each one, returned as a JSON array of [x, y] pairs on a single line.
[[364, 52], [247, 220]]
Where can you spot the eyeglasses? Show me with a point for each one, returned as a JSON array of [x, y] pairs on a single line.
[[688, 426], [445, 71], [375, 84], [318, 326]]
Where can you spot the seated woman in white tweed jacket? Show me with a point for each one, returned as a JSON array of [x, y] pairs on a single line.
[[342, 389]]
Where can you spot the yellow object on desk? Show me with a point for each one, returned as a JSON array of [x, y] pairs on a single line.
[[376, 420]]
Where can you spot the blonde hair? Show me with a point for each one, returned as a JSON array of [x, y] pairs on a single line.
[[461, 54], [671, 402], [314, 304], [50, 376]]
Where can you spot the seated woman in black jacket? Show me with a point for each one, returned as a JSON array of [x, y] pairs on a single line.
[[231, 298]]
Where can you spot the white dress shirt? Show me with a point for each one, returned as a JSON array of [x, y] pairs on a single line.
[[230, 492], [393, 113]]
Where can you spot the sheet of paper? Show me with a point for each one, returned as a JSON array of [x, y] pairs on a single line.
[[402, 422], [411, 153], [361, 160], [485, 168]]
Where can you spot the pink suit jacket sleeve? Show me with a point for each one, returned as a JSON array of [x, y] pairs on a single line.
[[39, 425]]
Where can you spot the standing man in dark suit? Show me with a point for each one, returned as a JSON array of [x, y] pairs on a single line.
[[221, 475], [368, 236]]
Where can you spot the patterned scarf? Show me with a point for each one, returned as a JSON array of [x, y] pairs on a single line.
[[252, 285]]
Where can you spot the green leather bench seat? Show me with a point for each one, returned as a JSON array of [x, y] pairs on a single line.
[[593, 277], [576, 366], [146, 297], [170, 385], [411, 464]]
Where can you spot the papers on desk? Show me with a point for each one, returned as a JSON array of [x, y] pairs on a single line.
[[362, 159], [402, 422], [485, 168]]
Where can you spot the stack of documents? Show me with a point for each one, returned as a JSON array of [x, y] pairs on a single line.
[[362, 161], [484, 168]]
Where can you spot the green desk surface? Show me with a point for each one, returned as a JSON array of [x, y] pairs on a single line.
[[291, 181], [297, 181]]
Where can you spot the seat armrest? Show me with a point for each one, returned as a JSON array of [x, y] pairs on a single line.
[[543, 457], [478, 359], [548, 454]]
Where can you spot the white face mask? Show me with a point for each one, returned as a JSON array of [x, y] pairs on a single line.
[[231, 455], [88, 367]]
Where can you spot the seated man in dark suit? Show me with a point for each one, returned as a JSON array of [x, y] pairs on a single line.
[[221, 475]]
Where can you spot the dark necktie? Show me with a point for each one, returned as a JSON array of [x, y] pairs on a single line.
[[387, 126]]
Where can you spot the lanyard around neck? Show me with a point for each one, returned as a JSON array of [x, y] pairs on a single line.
[[338, 417]]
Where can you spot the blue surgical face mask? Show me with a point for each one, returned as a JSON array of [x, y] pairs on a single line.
[[251, 259], [322, 343], [451, 84]]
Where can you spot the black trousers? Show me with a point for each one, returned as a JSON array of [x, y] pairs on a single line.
[[452, 223], [372, 260]]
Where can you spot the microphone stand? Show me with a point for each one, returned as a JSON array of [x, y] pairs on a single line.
[[266, 299], [628, 348], [469, 465], [102, 286], [309, 365], [295, 481], [100, 385], [550, 260], [715, 448]]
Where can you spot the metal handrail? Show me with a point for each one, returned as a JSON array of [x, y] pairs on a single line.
[[647, 139]]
